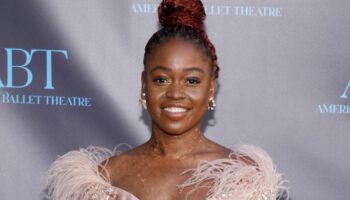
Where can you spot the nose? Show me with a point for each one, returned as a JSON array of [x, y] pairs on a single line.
[[175, 91]]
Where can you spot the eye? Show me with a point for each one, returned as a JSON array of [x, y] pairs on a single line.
[[160, 80], [192, 81]]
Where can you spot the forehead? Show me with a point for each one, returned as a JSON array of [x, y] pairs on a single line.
[[178, 53]]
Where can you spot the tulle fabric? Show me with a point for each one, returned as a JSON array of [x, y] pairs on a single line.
[[75, 176]]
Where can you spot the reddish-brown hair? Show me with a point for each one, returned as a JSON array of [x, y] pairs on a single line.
[[184, 19]]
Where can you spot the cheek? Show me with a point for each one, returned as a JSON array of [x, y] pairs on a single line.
[[199, 96], [154, 96]]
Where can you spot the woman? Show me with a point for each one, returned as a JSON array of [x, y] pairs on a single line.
[[178, 161]]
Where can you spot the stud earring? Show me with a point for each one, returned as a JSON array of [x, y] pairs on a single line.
[[211, 103], [143, 101]]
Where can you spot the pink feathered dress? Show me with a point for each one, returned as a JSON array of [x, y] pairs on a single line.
[[75, 176]]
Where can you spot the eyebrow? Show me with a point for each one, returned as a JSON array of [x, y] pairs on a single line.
[[159, 67], [194, 69], [162, 68]]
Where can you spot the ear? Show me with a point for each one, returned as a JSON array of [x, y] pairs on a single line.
[[212, 87], [143, 82]]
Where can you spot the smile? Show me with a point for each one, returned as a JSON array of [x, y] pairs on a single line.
[[175, 109]]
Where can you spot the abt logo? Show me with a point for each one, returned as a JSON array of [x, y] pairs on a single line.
[[28, 55]]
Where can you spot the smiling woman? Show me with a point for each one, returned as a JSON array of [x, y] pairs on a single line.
[[178, 84], [178, 161]]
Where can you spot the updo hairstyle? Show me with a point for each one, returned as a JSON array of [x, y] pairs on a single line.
[[183, 19]]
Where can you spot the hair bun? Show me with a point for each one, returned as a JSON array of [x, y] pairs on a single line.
[[173, 13]]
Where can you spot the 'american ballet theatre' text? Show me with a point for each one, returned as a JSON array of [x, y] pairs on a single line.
[[7, 98], [218, 10]]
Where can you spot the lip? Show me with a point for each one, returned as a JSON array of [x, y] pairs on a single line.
[[175, 115], [176, 105], [175, 109]]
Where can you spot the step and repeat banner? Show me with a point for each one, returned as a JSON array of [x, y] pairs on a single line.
[[70, 77]]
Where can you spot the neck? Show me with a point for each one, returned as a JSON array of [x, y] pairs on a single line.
[[175, 146]]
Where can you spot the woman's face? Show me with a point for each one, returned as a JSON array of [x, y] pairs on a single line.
[[178, 82]]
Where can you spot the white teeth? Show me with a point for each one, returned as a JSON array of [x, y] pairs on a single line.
[[175, 109]]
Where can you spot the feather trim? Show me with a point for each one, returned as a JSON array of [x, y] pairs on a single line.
[[75, 176], [237, 178], [248, 174]]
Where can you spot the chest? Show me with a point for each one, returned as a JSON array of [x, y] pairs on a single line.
[[157, 183]]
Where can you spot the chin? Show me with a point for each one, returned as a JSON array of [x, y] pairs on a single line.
[[176, 128], [174, 132]]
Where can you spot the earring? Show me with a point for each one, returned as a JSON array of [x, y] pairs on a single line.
[[211, 103], [143, 101]]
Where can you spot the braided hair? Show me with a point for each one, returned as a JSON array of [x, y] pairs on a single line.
[[183, 19]]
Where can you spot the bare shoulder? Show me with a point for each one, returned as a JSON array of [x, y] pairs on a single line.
[[119, 164], [218, 151], [251, 154], [213, 150]]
